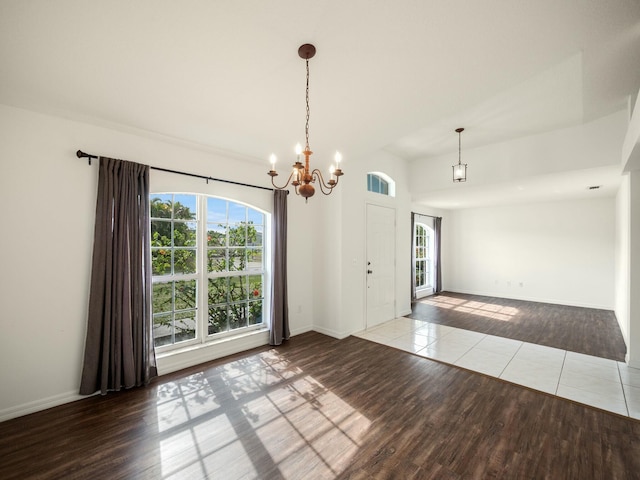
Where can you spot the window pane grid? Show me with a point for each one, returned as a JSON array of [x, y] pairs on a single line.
[[377, 184], [174, 311], [422, 248], [231, 271]]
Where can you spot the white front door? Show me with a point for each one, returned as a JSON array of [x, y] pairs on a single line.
[[381, 264]]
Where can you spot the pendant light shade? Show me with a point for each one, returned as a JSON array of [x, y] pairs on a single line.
[[459, 170]]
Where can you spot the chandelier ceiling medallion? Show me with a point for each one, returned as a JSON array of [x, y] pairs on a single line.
[[459, 170], [302, 177]]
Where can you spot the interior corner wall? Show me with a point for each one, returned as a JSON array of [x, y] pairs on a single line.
[[49, 197], [323, 261], [633, 344], [555, 252], [622, 257]]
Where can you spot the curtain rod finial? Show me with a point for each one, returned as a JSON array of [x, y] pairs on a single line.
[[81, 154]]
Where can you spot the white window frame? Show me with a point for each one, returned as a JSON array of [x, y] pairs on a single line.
[[202, 276], [427, 288], [383, 177]]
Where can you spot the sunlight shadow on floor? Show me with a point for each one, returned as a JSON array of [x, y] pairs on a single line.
[[482, 309], [257, 414]]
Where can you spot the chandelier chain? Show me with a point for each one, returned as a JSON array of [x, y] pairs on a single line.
[[306, 127]]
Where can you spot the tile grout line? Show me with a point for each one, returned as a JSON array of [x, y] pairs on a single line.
[[564, 359], [624, 394], [511, 359], [472, 347]]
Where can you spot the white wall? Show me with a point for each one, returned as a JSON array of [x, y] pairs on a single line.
[[47, 251], [622, 257], [627, 299], [324, 260], [352, 274], [560, 252], [633, 344], [628, 239], [48, 197], [339, 249]]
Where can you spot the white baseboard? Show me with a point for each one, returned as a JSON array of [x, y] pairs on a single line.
[[331, 333], [39, 405], [300, 330], [169, 363]]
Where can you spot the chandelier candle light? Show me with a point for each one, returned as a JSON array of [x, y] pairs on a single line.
[[302, 177], [459, 170]]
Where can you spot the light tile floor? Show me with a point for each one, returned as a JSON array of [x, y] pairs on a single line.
[[595, 381]]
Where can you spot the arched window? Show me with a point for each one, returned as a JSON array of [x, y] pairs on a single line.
[[423, 258], [378, 182], [208, 268]]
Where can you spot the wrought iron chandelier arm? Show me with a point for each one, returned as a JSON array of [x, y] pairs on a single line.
[[302, 178], [328, 186], [273, 175]]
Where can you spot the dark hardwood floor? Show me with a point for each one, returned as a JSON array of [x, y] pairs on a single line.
[[319, 408], [582, 330]]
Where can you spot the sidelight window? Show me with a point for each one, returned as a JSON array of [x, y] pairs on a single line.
[[423, 256]]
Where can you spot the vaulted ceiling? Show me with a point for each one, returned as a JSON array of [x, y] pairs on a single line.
[[388, 75]]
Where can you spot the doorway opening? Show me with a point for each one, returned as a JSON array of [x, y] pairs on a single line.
[[423, 259]]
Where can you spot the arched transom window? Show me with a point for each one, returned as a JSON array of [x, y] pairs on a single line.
[[378, 182]]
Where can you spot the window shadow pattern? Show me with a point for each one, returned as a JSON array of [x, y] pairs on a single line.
[[255, 417]]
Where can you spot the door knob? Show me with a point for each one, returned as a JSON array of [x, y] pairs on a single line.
[[369, 271]]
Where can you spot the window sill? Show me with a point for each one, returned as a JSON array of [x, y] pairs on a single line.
[[424, 292], [191, 355]]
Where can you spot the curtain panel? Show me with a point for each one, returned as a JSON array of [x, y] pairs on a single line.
[[119, 351], [279, 314]]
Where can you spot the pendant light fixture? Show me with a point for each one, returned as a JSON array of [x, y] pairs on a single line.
[[459, 170], [302, 177]]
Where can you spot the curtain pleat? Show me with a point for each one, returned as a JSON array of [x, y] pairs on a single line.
[[279, 330], [437, 227], [119, 351]]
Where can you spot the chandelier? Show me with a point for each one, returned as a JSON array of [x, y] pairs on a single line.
[[302, 177], [459, 170]]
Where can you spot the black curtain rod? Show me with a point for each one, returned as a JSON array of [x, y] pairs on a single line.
[[81, 154], [423, 215]]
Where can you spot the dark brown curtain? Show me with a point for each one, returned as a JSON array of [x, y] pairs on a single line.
[[437, 227], [279, 305], [119, 349]]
